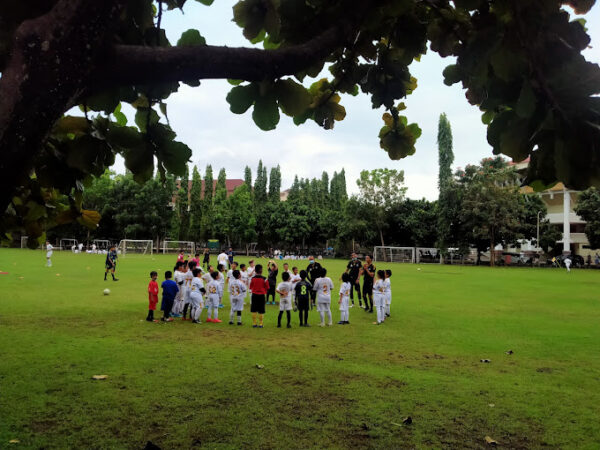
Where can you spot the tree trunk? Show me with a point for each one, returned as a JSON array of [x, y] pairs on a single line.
[[492, 253]]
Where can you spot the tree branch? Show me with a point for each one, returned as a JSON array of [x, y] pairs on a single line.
[[51, 57], [140, 65]]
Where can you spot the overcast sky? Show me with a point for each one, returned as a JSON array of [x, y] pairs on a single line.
[[201, 118]]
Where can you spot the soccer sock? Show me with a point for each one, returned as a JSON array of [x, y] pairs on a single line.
[[209, 312], [322, 314], [279, 318], [105, 273], [253, 318], [231, 314], [113, 275], [289, 317], [300, 312], [305, 316], [261, 316], [329, 315], [215, 313], [239, 314]]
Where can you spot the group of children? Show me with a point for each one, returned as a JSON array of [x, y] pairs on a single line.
[[188, 290]]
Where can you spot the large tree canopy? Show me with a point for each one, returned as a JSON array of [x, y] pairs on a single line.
[[519, 60]]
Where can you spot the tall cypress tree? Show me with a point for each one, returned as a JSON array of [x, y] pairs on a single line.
[[260, 184], [248, 178], [207, 204], [196, 206], [220, 207], [446, 204], [183, 204], [343, 192], [275, 184]]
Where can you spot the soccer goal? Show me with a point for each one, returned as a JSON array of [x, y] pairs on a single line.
[[428, 255], [175, 246], [394, 254], [67, 244], [139, 246], [101, 244]]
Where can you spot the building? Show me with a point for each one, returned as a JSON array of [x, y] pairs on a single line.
[[560, 203]]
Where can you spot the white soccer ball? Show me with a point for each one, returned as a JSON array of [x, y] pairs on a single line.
[[418, 268], [106, 291]]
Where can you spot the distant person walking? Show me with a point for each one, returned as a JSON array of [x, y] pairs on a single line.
[[49, 249], [353, 270], [230, 255], [567, 263]]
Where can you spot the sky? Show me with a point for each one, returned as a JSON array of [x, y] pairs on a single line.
[[201, 118]]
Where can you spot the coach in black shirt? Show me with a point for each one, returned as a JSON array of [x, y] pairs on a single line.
[[314, 271], [368, 272], [353, 269]]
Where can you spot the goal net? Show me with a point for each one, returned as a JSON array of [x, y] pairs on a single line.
[[135, 246], [176, 246], [67, 244], [394, 254], [101, 245], [427, 255]]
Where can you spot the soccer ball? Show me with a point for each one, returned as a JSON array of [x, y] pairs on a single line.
[[106, 291]]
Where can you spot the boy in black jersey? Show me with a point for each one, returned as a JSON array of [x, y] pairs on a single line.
[[303, 289]]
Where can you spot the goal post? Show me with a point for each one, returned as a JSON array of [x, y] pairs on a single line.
[[101, 244], [175, 246], [67, 243], [139, 246], [428, 255], [394, 254]]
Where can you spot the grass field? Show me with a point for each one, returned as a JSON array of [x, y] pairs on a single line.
[[181, 385]]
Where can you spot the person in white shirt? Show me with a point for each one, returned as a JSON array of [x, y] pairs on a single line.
[[80, 247], [207, 278], [294, 279], [567, 263], [223, 259], [187, 282], [344, 299], [178, 277], [230, 272], [196, 299], [379, 297], [49, 249], [237, 292], [323, 287], [214, 293], [250, 273], [221, 280], [388, 292], [244, 275], [284, 289], [93, 248]]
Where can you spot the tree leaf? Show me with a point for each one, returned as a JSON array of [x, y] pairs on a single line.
[[527, 101], [266, 112], [144, 117], [190, 38], [293, 98], [240, 98]]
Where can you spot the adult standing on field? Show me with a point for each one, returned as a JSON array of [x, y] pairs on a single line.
[[230, 255], [206, 258], [313, 270], [353, 269], [368, 273]]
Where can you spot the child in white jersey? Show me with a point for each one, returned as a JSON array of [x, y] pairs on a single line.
[[196, 300], [250, 272], [284, 289], [244, 275], [344, 299], [187, 282], [49, 249], [221, 279], [294, 279], [379, 297], [230, 271], [388, 292], [323, 286], [214, 294], [178, 275], [237, 292]]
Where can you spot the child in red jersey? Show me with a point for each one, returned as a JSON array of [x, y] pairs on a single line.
[[152, 296], [259, 287]]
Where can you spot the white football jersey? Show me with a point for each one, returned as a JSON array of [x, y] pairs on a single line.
[[323, 286]]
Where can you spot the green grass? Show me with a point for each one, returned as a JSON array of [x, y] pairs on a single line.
[[184, 385]]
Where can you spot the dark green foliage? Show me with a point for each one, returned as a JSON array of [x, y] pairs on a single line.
[[447, 208], [588, 208]]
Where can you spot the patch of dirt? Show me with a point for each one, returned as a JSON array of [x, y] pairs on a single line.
[[544, 370], [43, 426]]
